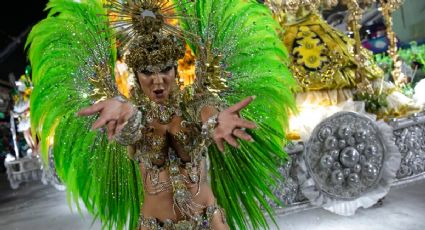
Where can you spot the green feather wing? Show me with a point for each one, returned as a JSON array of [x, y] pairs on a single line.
[[254, 61], [72, 53]]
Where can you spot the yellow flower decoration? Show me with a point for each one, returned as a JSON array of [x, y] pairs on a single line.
[[309, 52], [304, 31]]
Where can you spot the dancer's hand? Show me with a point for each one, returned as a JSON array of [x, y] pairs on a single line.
[[112, 113], [231, 126]]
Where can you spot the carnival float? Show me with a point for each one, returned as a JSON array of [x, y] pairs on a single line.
[[360, 128], [25, 164]]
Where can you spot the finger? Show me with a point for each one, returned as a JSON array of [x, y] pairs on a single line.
[[119, 127], [111, 125], [242, 135], [124, 118], [238, 106], [245, 124], [232, 141], [91, 109], [122, 122], [220, 144], [239, 114], [100, 122]]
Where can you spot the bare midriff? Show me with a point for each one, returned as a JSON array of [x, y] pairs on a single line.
[[161, 205]]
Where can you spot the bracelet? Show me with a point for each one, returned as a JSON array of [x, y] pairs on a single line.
[[131, 131], [123, 99], [120, 98], [209, 126]]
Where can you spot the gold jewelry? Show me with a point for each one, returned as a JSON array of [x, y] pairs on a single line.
[[151, 41], [209, 126], [132, 130], [201, 221], [163, 112]]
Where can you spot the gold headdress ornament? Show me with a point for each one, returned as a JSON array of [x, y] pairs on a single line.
[[151, 41], [154, 52], [154, 41]]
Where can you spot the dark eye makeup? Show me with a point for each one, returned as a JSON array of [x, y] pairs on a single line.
[[146, 72], [166, 70], [149, 73]]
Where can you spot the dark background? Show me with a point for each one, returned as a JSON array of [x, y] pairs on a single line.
[[16, 21]]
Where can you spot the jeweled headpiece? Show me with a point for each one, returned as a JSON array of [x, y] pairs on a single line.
[[153, 44], [154, 52]]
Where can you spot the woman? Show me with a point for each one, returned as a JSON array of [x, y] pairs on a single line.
[[118, 116]]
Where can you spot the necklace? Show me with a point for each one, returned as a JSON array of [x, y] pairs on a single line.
[[163, 112]]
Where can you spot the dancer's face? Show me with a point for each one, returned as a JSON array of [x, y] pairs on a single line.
[[158, 86]]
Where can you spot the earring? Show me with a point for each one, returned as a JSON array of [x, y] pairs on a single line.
[[179, 81]]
